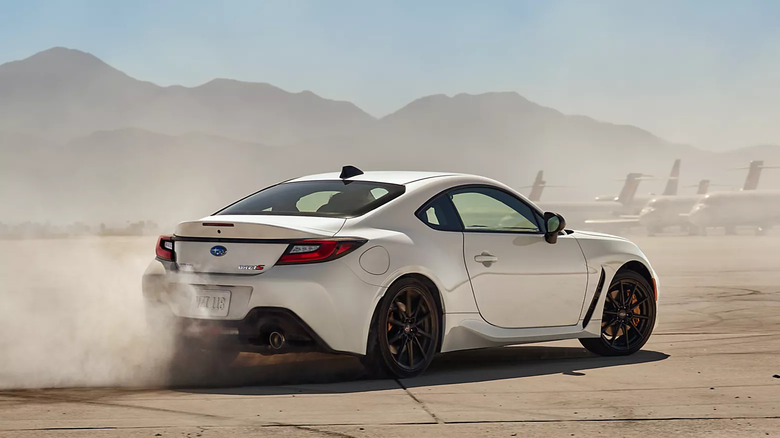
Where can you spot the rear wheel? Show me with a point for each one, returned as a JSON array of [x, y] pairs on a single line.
[[628, 318], [404, 331]]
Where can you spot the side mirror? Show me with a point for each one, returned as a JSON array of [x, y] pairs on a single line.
[[554, 224]]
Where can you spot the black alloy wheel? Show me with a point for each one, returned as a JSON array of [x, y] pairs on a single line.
[[404, 331], [628, 318]]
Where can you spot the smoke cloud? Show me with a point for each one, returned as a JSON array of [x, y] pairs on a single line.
[[72, 315]]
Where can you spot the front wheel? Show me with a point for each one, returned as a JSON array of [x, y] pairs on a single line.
[[628, 318], [404, 331]]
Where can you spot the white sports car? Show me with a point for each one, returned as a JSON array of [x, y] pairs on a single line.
[[396, 267]]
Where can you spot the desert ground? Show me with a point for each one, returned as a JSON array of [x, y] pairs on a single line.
[[75, 362]]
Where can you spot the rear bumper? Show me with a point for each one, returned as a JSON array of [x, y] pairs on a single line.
[[254, 333], [324, 306]]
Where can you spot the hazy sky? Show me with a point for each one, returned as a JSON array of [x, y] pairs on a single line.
[[701, 72]]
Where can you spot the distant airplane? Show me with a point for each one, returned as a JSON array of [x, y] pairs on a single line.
[[576, 213], [674, 179], [757, 208], [662, 212], [669, 211], [704, 186], [754, 174], [637, 202], [537, 187], [747, 207], [632, 205]]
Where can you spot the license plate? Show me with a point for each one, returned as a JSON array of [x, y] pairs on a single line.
[[211, 303]]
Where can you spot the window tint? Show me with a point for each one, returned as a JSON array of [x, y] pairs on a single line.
[[440, 215], [488, 209], [317, 198]]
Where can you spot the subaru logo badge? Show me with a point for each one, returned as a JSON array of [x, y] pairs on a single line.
[[218, 251]]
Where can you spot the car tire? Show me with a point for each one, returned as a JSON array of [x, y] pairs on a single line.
[[404, 333], [628, 317]]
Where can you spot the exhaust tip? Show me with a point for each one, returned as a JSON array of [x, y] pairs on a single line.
[[276, 340]]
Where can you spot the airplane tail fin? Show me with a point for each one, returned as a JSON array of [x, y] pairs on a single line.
[[754, 174], [537, 187], [630, 187], [673, 181], [704, 186]]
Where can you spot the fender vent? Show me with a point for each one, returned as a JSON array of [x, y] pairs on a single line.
[[595, 300]]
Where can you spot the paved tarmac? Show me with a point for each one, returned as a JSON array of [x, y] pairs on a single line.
[[712, 368]]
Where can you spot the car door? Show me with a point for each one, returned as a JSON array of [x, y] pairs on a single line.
[[519, 280]]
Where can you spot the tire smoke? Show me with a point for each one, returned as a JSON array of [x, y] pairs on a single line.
[[72, 314]]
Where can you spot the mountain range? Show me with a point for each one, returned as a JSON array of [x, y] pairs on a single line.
[[83, 141]]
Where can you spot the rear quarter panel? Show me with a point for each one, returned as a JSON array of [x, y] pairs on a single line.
[[414, 247]]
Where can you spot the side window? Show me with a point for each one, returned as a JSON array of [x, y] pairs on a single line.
[[488, 209], [439, 215]]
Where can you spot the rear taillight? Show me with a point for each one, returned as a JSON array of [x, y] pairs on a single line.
[[164, 249], [315, 251]]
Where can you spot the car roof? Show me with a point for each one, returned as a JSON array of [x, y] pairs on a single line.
[[392, 177]]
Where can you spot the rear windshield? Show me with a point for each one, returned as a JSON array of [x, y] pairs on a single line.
[[317, 198]]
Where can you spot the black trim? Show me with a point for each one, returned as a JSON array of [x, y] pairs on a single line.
[[595, 300], [401, 189], [231, 240], [161, 240], [254, 329], [449, 211], [266, 319], [249, 195], [448, 191], [289, 242], [530, 233]]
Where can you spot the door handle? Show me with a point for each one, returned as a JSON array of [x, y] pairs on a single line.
[[485, 258]]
